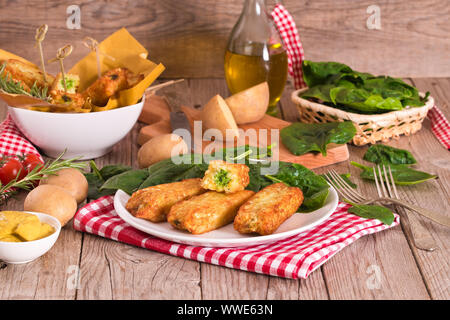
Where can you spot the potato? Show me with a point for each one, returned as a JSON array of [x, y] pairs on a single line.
[[217, 115], [70, 179], [249, 105], [160, 148], [52, 200]]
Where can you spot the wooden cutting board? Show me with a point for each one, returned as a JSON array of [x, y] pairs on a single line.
[[156, 114]]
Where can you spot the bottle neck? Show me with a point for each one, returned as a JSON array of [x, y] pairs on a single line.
[[255, 7], [254, 30]]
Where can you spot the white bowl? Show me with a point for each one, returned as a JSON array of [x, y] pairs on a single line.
[[85, 135], [23, 252]]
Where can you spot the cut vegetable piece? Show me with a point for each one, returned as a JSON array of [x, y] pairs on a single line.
[[217, 115], [249, 105]]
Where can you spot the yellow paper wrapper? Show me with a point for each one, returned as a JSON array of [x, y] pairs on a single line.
[[126, 52]]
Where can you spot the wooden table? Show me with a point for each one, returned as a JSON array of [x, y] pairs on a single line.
[[385, 265]]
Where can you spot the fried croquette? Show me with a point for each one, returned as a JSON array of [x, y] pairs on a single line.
[[72, 100], [268, 209], [207, 212], [26, 74], [109, 84], [226, 177], [153, 203]]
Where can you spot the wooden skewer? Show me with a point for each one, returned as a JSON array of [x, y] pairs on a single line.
[[61, 54], [93, 44], [154, 88], [40, 36]]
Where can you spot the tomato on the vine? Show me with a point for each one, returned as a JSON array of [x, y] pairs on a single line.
[[31, 161], [10, 168]]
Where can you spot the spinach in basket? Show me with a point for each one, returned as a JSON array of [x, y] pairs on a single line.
[[337, 85]]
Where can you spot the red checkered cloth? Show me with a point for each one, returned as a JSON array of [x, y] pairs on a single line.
[[440, 126], [288, 31], [12, 142], [294, 257]]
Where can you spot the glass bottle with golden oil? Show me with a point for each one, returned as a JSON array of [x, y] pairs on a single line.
[[255, 53]]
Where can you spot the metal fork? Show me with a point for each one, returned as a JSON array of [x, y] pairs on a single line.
[[386, 188], [347, 192]]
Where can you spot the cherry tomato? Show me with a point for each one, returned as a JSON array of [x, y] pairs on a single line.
[[10, 168], [31, 161]]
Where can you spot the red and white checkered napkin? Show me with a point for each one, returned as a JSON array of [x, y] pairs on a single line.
[[12, 142], [294, 257], [440, 126], [288, 31]]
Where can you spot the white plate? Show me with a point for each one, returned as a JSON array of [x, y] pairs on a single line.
[[226, 236]]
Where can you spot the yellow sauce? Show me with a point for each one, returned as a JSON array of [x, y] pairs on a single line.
[[17, 226]]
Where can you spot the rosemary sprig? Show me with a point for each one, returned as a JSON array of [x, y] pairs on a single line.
[[8, 85], [38, 173]]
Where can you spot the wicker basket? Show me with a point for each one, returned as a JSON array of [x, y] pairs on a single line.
[[369, 128]]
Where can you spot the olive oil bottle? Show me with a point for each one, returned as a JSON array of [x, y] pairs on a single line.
[[255, 53]]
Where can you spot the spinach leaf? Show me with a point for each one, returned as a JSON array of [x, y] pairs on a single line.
[[373, 212], [319, 92], [167, 171], [380, 153], [96, 178], [129, 181], [362, 100], [320, 72], [402, 174], [301, 138], [111, 170], [94, 184], [416, 101], [346, 177], [314, 187]]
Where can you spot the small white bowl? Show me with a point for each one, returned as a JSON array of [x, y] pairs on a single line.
[[23, 252], [85, 135]]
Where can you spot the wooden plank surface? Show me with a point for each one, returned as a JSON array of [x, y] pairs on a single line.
[[385, 265], [432, 157], [184, 35]]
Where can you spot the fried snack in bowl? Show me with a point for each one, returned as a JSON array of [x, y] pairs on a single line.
[[79, 112], [226, 177], [208, 211], [87, 135], [153, 203], [109, 84], [268, 209], [27, 74]]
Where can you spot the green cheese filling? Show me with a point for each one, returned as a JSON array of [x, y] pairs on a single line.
[[222, 179], [70, 83]]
